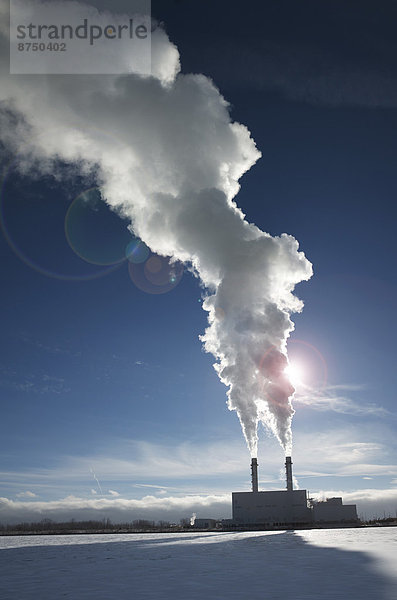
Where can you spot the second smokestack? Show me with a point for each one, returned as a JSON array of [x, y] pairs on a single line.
[[288, 472], [254, 474]]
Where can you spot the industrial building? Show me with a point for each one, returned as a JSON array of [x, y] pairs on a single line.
[[286, 508], [333, 510]]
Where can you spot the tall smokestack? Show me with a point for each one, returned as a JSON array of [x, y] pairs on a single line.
[[254, 474], [288, 472]]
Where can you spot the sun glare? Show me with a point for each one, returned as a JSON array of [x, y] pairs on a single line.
[[295, 374]]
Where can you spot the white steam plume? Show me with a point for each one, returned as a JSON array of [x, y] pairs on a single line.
[[169, 158]]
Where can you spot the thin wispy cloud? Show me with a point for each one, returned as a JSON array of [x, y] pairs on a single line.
[[347, 387], [54, 349], [187, 466], [149, 485], [34, 383], [329, 454], [334, 398], [305, 72], [183, 461]]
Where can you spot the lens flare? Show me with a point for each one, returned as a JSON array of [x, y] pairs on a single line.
[[137, 251], [157, 275], [94, 232], [33, 226]]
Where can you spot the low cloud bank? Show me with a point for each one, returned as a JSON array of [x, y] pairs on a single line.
[[370, 503], [170, 508]]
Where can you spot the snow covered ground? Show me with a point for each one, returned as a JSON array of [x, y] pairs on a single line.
[[348, 564]]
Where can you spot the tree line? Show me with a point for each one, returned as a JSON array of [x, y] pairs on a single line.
[[105, 525]]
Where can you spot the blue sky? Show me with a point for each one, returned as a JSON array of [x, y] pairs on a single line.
[[109, 403]]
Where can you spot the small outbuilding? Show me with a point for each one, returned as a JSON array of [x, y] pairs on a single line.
[[205, 523]]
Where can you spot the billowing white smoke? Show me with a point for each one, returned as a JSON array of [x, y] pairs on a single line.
[[169, 158]]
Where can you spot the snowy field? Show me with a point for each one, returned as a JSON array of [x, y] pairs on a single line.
[[348, 564]]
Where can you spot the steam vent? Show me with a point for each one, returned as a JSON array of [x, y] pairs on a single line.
[[287, 508]]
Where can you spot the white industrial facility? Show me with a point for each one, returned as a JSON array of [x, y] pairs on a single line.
[[286, 508]]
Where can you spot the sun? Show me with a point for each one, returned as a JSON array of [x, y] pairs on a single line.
[[295, 373]]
